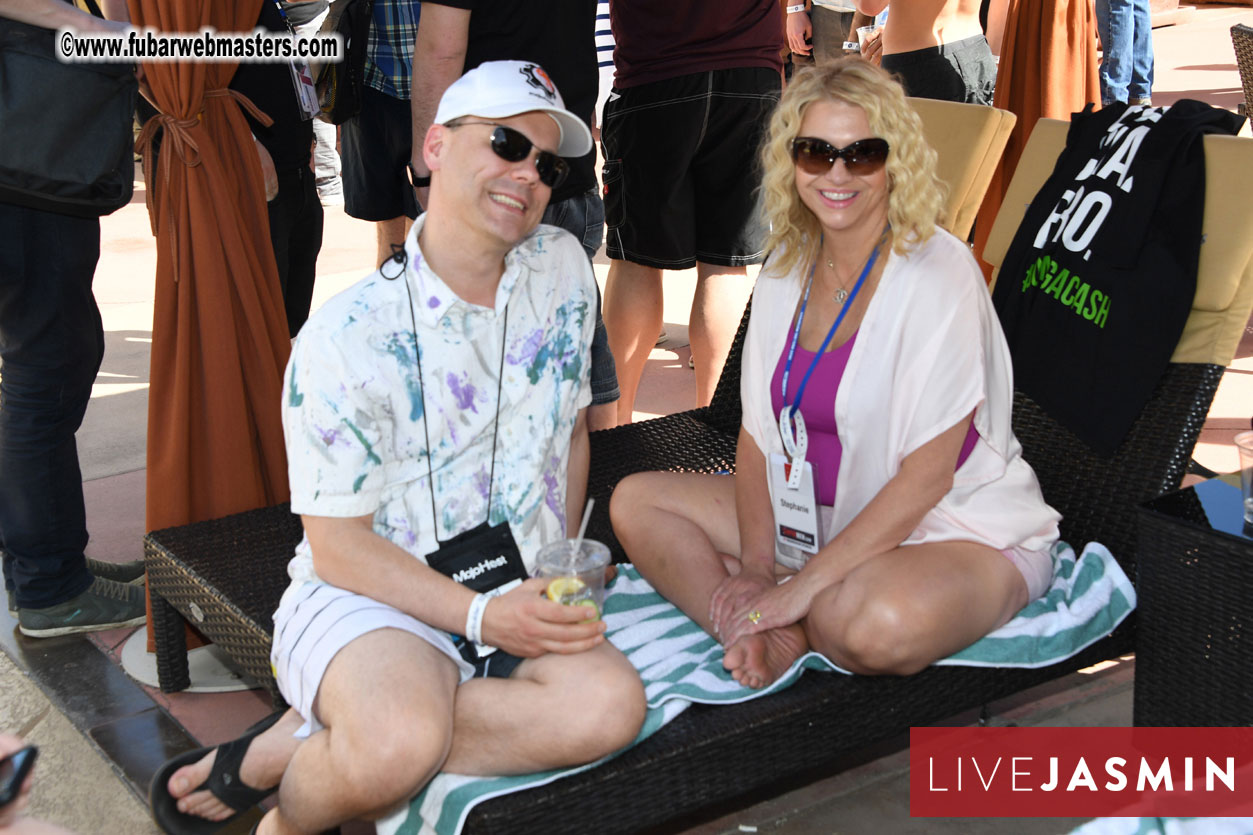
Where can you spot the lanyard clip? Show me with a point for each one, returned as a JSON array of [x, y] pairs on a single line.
[[795, 443]]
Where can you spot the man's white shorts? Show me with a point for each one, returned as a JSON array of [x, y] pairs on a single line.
[[315, 621]]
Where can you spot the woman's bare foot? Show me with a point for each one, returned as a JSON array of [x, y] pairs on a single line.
[[757, 660], [262, 767]]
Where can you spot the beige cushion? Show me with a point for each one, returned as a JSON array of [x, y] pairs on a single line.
[[969, 139], [1224, 287]]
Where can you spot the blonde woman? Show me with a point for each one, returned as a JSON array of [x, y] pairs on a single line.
[[881, 512]]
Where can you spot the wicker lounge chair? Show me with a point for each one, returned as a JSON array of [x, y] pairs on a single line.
[[227, 574], [1242, 42], [969, 140]]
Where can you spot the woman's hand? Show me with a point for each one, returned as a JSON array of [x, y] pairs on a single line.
[[782, 605], [733, 594]]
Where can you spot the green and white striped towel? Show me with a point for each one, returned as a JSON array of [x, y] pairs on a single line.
[[680, 664], [1166, 826]]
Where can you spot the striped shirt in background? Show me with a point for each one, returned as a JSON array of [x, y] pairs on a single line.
[[389, 48], [604, 56]]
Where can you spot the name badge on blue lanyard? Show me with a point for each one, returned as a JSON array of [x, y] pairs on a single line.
[[797, 522], [792, 505]]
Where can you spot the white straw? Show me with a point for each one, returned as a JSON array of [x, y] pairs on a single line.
[[587, 514]]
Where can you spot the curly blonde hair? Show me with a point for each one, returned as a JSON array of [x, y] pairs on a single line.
[[915, 194]]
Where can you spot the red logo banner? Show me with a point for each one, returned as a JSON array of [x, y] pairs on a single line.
[[1080, 772]]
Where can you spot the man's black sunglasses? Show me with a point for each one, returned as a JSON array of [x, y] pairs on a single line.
[[816, 156], [512, 146]]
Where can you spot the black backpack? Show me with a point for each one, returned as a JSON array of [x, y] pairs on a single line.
[[339, 85], [65, 129]]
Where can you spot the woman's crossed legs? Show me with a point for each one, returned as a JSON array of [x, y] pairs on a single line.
[[894, 613]]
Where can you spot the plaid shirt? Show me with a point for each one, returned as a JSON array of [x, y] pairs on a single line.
[[389, 48]]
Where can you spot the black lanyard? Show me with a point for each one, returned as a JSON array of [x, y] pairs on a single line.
[[403, 258]]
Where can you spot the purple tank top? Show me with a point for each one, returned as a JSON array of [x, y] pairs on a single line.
[[818, 409]]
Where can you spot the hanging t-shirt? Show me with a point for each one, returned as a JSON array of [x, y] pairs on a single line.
[[1100, 277]]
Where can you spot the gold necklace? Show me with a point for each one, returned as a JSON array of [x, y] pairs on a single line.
[[840, 294]]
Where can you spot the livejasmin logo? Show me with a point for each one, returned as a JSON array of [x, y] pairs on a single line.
[[1022, 774], [1081, 772]]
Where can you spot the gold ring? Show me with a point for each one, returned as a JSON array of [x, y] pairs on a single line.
[[754, 616]]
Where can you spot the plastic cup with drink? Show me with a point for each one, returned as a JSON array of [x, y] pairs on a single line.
[[1244, 443], [863, 34], [575, 569]]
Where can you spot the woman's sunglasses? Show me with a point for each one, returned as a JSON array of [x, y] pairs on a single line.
[[817, 156], [512, 146]]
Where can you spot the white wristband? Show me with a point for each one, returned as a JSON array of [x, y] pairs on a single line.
[[474, 618], [799, 7]]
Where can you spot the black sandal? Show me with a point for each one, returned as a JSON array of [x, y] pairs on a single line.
[[223, 782]]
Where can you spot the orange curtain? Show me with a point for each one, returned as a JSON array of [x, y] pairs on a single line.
[[219, 333], [1048, 68]]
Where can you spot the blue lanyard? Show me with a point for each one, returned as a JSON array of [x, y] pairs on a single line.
[[791, 351], [283, 14]]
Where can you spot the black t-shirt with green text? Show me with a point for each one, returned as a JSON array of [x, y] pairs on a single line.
[[1099, 280]]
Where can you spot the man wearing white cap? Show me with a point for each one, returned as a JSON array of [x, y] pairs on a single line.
[[455, 36], [436, 438]]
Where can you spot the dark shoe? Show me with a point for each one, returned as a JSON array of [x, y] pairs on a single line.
[[104, 605], [223, 782], [119, 572]]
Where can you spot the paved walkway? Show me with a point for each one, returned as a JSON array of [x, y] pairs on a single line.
[[101, 734]]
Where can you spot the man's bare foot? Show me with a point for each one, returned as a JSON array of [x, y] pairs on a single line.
[[757, 660], [262, 767]]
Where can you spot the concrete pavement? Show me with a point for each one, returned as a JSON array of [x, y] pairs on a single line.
[[76, 786]]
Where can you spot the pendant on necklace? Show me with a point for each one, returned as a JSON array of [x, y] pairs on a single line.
[[840, 295]]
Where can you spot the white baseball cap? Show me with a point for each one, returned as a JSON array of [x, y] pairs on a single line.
[[498, 89]]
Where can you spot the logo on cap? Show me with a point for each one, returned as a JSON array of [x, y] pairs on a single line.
[[536, 77]]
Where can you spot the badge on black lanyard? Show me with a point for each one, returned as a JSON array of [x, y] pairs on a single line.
[[485, 558]]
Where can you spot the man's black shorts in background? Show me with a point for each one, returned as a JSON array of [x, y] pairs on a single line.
[[681, 170], [376, 145], [962, 71]]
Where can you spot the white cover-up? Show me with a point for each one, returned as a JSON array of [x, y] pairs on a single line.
[[928, 352]]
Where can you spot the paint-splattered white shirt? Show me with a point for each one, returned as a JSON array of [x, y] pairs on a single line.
[[353, 408]]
